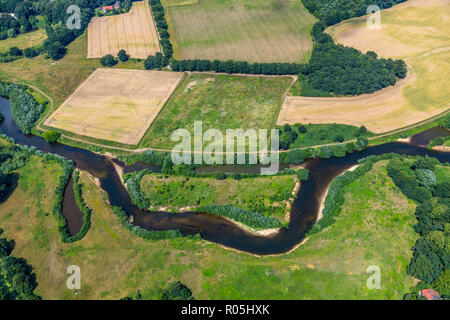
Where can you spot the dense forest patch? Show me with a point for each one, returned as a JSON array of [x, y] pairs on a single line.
[[334, 11]]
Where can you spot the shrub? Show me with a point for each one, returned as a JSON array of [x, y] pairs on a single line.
[[30, 52], [123, 56], [51, 136], [176, 291], [248, 218], [425, 163], [301, 128], [56, 50], [11, 33], [425, 178], [78, 193], [442, 190], [14, 51], [108, 60]]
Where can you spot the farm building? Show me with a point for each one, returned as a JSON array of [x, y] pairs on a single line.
[[430, 294]]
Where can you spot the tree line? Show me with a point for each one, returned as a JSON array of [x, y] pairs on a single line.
[[162, 27], [431, 258]]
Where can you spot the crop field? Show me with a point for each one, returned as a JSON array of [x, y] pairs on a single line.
[[250, 30], [133, 31], [115, 104], [415, 31], [220, 102]]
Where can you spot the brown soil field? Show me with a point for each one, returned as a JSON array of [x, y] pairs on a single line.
[[134, 31], [415, 31], [115, 104]]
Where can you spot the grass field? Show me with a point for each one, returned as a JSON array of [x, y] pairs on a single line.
[[115, 104], [330, 265], [133, 31], [23, 41], [250, 30], [414, 31], [220, 102], [59, 78], [265, 195]]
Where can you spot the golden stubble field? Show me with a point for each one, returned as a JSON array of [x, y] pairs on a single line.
[[115, 104], [416, 31], [134, 31]]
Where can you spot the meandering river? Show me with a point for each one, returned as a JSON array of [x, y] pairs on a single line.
[[213, 228]]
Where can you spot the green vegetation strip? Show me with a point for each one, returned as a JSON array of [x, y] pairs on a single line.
[[248, 218], [78, 192], [143, 233], [25, 109]]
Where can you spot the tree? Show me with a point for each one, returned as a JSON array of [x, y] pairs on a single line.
[[123, 56], [442, 283], [5, 247], [30, 52], [361, 131], [442, 190], [301, 128], [287, 128], [51, 136], [56, 50], [339, 138], [425, 178], [14, 51], [176, 291], [12, 33], [427, 163], [108, 60]]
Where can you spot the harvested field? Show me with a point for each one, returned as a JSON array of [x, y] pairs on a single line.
[[415, 31], [115, 104], [255, 31], [133, 31]]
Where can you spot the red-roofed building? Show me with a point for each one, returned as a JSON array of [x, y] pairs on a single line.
[[107, 8], [110, 8], [430, 294]]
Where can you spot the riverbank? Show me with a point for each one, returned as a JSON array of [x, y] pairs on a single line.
[[324, 196]]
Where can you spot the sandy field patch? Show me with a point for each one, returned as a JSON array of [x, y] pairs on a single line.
[[133, 31], [115, 104], [415, 31]]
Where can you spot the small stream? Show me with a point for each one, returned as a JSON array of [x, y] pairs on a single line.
[[214, 228]]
